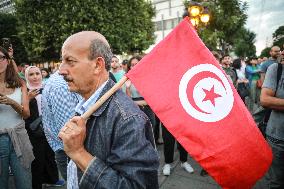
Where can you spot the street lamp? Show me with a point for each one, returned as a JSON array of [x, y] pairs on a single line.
[[198, 14]]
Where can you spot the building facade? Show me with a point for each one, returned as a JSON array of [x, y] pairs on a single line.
[[168, 14]]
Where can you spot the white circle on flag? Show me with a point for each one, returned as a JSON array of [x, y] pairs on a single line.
[[213, 98]]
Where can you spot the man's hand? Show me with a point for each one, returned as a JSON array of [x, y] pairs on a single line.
[[73, 135]]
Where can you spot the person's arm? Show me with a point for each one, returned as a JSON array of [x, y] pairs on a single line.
[[25, 101], [141, 102], [267, 97], [262, 76], [59, 105], [11, 54], [47, 119], [251, 71], [268, 100], [63, 104], [21, 109], [127, 88]]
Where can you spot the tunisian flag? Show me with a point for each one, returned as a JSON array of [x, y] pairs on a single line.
[[190, 93]]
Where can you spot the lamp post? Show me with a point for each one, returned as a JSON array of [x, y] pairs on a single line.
[[198, 14]]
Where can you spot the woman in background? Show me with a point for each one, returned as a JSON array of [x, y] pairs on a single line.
[[253, 74], [132, 92], [242, 81], [44, 169], [15, 147], [45, 75]]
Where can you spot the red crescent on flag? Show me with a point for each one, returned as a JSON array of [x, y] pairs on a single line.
[[194, 80]]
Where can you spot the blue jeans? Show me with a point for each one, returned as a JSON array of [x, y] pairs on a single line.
[[8, 157], [276, 171]]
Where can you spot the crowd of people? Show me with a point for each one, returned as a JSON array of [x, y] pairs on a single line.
[[41, 130]]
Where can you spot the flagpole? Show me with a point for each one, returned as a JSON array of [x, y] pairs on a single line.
[[94, 107]]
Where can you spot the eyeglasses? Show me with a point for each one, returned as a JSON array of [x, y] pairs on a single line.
[[2, 58]]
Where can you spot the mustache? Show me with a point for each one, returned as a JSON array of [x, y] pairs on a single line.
[[67, 79]]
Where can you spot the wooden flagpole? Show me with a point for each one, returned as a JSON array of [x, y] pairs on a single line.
[[94, 107]]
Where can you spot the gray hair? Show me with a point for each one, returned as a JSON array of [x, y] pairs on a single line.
[[100, 48]]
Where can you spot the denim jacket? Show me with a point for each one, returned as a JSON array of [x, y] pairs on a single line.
[[120, 137]]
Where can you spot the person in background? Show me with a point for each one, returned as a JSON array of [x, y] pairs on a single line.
[[253, 74], [45, 74], [44, 169], [226, 62], [15, 147], [169, 145], [21, 70], [132, 92], [58, 107], [274, 54], [116, 70], [272, 97], [124, 65], [242, 81]]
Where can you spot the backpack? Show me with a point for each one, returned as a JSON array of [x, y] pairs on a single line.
[[261, 116]]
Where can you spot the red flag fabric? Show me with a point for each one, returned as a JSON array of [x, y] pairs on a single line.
[[191, 94]]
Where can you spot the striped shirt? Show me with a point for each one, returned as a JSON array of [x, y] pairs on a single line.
[[82, 107], [58, 106]]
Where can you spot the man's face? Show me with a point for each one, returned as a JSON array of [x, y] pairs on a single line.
[[226, 60], [114, 63], [275, 52], [76, 68]]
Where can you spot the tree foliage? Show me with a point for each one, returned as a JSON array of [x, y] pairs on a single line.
[[45, 24], [8, 28], [226, 19], [278, 37], [244, 46], [265, 52]]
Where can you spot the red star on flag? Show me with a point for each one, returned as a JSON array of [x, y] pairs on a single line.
[[210, 95]]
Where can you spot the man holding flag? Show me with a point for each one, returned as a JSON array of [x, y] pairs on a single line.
[[198, 105], [114, 146]]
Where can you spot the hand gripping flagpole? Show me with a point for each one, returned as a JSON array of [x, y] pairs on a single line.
[[110, 92]]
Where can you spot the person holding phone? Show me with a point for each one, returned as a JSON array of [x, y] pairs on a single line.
[[44, 169], [15, 147]]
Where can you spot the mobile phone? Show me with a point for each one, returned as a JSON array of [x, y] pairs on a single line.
[[40, 91], [6, 43]]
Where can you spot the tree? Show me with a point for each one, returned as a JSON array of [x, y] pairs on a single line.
[[265, 52], [8, 28], [227, 19], [46, 24], [278, 37], [244, 45]]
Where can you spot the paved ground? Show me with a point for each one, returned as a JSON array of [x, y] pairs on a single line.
[[179, 179]]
